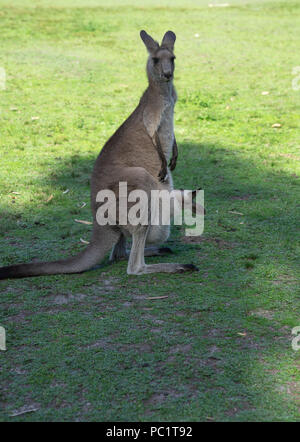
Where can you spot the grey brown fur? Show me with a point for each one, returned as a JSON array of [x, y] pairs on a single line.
[[130, 155]]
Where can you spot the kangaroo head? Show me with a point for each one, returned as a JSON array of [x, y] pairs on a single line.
[[160, 65]]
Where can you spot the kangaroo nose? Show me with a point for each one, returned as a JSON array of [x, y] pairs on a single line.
[[168, 75]]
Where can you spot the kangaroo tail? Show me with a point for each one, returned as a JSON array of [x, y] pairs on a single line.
[[86, 259]]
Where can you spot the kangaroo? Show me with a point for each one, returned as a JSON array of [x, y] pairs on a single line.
[[137, 153]]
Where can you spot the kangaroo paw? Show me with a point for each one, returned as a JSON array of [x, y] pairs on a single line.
[[163, 175], [165, 250], [172, 164], [189, 268]]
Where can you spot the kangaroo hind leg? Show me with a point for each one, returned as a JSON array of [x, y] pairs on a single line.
[[137, 265], [120, 252]]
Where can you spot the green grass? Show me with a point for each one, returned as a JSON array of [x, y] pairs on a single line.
[[93, 347]]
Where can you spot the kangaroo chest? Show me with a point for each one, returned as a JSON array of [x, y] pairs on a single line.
[[166, 127]]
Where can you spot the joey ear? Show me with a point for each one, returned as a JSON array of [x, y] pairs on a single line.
[[150, 44], [168, 40]]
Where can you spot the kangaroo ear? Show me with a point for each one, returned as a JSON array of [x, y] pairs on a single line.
[[150, 44], [168, 40]]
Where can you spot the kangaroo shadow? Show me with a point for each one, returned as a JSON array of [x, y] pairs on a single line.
[[250, 218], [234, 186]]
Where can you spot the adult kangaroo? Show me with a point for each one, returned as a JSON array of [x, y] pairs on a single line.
[[137, 153]]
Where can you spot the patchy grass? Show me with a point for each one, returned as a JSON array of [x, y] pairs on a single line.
[[93, 346]]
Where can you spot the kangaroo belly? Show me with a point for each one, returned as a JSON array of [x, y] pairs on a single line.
[[157, 234]]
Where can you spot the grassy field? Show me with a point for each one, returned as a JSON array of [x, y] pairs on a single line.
[[92, 347]]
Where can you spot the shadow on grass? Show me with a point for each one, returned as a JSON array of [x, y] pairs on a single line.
[[233, 184], [212, 354]]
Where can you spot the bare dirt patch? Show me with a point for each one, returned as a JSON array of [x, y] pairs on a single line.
[[101, 343], [220, 243], [68, 297], [110, 283], [141, 347], [285, 279], [261, 313], [244, 197], [158, 398], [181, 348], [17, 319]]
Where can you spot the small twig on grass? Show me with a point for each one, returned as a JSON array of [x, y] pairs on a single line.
[[81, 221], [157, 297]]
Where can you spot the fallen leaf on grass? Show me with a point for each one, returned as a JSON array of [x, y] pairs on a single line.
[[265, 92], [276, 125], [49, 199], [23, 410], [82, 205], [157, 297], [81, 221], [236, 213], [16, 193], [66, 191], [242, 334], [35, 118], [84, 241]]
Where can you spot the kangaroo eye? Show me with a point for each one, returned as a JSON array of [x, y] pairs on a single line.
[[155, 60], [172, 59]]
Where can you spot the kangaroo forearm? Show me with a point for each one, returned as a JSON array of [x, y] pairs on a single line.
[[173, 160], [164, 165]]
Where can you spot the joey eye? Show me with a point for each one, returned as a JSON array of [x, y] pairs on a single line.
[[155, 60], [172, 59]]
